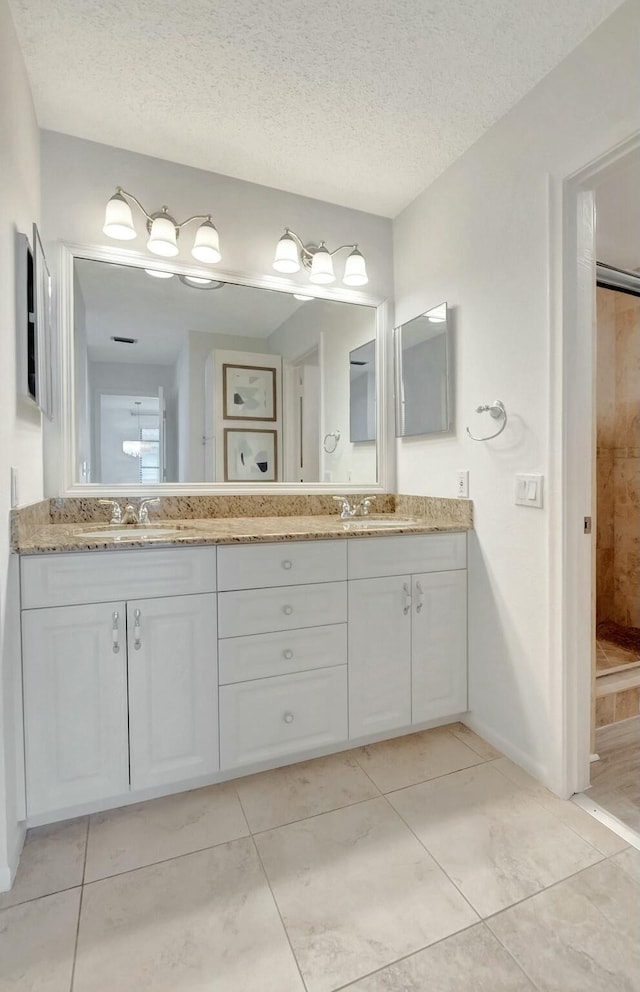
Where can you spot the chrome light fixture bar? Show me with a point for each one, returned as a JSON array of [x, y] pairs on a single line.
[[162, 228], [292, 254]]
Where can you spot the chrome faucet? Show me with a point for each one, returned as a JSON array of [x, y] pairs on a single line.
[[349, 509], [116, 510], [131, 513]]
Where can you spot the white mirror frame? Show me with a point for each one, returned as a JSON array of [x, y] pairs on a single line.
[[60, 451]]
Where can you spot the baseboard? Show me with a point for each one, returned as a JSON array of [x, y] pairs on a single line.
[[534, 768], [8, 871]]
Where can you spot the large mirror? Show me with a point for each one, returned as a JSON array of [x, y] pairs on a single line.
[[423, 374], [186, 380]]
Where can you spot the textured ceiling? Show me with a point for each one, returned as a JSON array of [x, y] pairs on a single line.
[[356, 102]]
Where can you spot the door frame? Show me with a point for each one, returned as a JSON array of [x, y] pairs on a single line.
[[572, 448]]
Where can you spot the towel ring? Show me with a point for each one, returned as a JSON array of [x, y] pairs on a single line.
[[328, 438], [498, 412]]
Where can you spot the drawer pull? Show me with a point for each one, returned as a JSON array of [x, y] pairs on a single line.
[[288, 718], [287, 610], [407, 598], [287, 654], [137, 638], [115, 633], [287, 564]]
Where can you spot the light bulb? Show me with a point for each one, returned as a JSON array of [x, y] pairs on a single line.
[[355, 270], [118, 220], [163, 239], [286, 256], [322, 267], [206, 245], [159, 273]]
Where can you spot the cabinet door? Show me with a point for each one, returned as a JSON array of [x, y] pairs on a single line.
[[75, 699], [379, 654], [439, 645], [173, 689]]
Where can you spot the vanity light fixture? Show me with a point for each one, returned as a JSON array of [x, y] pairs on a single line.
[[159, 273], [303, 299], [292, 253], [162, 228]]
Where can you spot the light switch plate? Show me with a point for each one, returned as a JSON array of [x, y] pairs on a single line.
[[529, 490]]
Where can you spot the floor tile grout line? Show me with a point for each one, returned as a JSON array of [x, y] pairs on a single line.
[[313, 816], [405, 957], [163, 861], [514, 958], [42, 895], [277, 907], [546, 888], [84, 869], [441, 867]]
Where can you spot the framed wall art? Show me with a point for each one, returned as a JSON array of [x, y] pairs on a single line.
[[248, 392], [250, 456]]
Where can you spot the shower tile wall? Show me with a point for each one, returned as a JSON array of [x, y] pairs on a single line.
[[618, 464]]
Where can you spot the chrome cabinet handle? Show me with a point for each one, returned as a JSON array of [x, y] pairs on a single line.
[[288, 718], [420, 592], [287, 564], [287, 654], [407, 598], [115, 632], [137, 633], [287, 610]]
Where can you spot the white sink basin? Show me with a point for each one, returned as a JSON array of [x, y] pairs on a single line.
[[133, 532]]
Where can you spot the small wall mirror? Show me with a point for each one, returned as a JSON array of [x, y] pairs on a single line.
[[187, 380], [362, 393], [423, 374]]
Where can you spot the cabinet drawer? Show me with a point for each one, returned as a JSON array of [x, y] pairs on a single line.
[[285, 563], [261, 655], [380, 556], [98, 577], [285, 715], [258, 611]]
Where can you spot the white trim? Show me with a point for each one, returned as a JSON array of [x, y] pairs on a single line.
[[572, 302], [604, 816], [66, 473], [516, 755]]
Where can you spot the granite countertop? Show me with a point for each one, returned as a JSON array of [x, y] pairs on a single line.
[[61, 537]]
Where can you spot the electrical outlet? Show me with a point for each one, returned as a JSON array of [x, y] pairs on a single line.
[[462, 484]]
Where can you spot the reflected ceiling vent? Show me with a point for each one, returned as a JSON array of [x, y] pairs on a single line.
[[118, 340]]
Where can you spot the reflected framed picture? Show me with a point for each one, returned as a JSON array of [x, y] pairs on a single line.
[[250, 456], [248, 392]]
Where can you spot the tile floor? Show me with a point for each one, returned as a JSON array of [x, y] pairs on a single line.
[[615, 778], [427, 862]]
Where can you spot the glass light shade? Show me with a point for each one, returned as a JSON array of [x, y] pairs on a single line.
[[136, 449], [159, 273], [162, 238], [322, 268], [198, 281], [118, 219], [206, 245], [355, 270], [303, 299], [286, 256]]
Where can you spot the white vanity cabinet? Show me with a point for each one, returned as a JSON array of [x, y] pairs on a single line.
[[283, 649], [407, 631], [118, 695]]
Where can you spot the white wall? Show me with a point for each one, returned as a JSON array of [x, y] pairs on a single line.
[[480, 237], [79, 176], [20, 429]]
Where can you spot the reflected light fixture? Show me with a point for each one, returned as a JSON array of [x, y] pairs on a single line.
[[437, 315], [162, 228], [159, 273], [292, 254], [303, 299]]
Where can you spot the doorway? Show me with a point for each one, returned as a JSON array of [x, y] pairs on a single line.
[[303, 401], [600, 398]]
